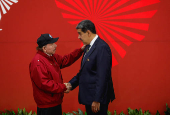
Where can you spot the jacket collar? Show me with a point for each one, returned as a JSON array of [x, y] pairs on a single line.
[[93, 41], [90, 52], [45, 55]]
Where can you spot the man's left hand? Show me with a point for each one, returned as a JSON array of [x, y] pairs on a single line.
[[83, 47], [95, 107]]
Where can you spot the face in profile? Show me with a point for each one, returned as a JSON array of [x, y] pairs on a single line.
[[50, 48], [84, 37]]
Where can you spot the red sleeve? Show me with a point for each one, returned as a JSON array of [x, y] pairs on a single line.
[[40, 77], [69, 59]]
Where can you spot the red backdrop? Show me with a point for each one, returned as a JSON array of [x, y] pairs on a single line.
[[136, 30]]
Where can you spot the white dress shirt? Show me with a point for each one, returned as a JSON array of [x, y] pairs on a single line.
[[92, 42]]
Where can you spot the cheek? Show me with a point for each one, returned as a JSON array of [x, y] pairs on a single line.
[[50, 49], [83, 37]]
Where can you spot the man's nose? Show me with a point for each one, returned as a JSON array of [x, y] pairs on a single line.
[[79, 37]]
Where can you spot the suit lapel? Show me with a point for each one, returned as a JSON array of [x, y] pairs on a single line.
[[90, 52]]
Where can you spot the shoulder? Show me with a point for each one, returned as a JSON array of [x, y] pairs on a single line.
[[102, 44], [37, 60], [56, 55]]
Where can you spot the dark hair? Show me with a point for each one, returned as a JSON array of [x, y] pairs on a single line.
[[38, 48], [86, 25]]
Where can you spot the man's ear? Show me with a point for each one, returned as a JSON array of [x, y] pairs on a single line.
[[89, 33], [44, 49]]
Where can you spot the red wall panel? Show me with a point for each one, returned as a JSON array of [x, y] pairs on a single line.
[[141, 61]]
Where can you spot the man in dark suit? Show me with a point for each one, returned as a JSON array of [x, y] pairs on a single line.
[[94, 78]]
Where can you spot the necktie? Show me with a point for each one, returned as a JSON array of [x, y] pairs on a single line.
[[86, 51]]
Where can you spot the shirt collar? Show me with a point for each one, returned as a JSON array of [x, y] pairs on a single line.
[[94, 39], [48, 54], [45, 55]]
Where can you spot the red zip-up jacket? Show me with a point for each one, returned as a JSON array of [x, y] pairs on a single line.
[[47, 82]]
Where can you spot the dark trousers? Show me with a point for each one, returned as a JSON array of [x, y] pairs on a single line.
[[103, 110], [50, 111]]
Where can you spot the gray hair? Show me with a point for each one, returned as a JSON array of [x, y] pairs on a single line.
[[86, 25]]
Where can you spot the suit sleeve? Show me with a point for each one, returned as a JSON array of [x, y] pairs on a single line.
[[40, 77], [75, 81], [103, 71], [69, 59]]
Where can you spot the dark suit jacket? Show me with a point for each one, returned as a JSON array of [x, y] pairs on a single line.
[[94, 78]]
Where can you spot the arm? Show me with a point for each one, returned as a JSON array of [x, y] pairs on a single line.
[[40, 77], [74, 81], [104, 63], [69, 59]]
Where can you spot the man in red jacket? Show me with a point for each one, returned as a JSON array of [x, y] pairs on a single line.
[[45, 73]]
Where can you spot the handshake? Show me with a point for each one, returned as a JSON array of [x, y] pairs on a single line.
[[68, 86]]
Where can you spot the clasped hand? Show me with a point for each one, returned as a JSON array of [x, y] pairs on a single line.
[[68, 86]]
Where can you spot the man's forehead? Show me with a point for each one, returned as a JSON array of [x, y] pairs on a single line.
[[79, 30]]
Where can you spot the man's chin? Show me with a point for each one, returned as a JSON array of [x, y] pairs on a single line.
[[54, 52]]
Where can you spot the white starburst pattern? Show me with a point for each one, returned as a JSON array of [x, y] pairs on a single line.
[[4, 6]]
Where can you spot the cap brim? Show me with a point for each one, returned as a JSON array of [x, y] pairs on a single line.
[[54, 40]]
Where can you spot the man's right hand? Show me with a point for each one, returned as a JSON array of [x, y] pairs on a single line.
[[68, 86]]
